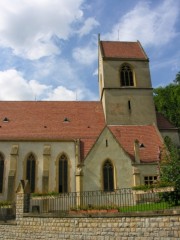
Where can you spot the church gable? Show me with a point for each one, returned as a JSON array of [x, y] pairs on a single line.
[[107, 150]]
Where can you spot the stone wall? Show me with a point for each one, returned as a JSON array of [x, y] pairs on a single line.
[[89, 228], [103, 228]]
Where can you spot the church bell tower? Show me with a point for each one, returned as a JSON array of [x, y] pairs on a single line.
[[124, 84]]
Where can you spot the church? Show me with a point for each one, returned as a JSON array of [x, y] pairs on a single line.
[[73, 146]]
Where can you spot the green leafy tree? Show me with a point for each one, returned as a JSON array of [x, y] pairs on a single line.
[[177, 79], [170, 171], [167, 101]]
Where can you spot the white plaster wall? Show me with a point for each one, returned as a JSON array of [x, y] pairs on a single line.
[[5, 149], [57, 148]]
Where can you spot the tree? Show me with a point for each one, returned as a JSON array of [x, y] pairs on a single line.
[[167, 101], [177, 79], [170, 171]]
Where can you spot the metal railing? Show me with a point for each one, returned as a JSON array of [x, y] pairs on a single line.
[[125, 200]]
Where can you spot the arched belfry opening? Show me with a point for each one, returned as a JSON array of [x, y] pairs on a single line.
[[126, 76]]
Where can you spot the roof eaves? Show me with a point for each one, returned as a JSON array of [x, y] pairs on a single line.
[[125, 59], [169, 129], [40, 139]]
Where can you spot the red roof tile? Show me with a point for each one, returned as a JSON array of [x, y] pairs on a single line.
[[132, 50], [45, 121], [163, 123], [148, 135]]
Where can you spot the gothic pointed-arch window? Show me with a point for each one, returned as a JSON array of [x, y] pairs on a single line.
[[63, 174], [1, 172], [126, 75], [31, 171], [108, 176]]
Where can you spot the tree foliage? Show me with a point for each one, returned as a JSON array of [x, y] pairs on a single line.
[[170, 171], [167, 101], [177, 79]]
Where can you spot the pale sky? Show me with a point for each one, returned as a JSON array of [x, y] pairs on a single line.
[[48, 48]]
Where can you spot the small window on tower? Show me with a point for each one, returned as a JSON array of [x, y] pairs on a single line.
[[126, 75], [129, 104]]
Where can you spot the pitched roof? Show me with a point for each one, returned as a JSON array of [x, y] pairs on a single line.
[[132, 50], [83, 120], [45, 120], [163, 123], [148, 135]]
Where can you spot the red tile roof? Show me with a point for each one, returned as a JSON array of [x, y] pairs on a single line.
[[163, 123], [45, 121], [132, 50], [148, 135]]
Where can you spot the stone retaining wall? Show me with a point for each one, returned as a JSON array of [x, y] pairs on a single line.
[[102, 228], [88, 228]]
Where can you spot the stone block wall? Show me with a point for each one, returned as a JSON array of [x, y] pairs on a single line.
[[89, 228], [103, 228]]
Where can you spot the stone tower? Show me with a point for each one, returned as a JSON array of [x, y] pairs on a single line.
[[125, 84]]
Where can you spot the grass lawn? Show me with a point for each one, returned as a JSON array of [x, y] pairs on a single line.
[[145, 207]]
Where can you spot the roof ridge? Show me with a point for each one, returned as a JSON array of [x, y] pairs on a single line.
[[119, 41]]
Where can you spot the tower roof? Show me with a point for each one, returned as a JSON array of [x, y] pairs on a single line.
[[129, 50]]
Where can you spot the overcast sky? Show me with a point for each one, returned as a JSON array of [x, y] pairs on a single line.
[[48, 48]]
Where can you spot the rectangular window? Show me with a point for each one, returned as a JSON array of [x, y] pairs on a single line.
[[149, 180], [129, 104]]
